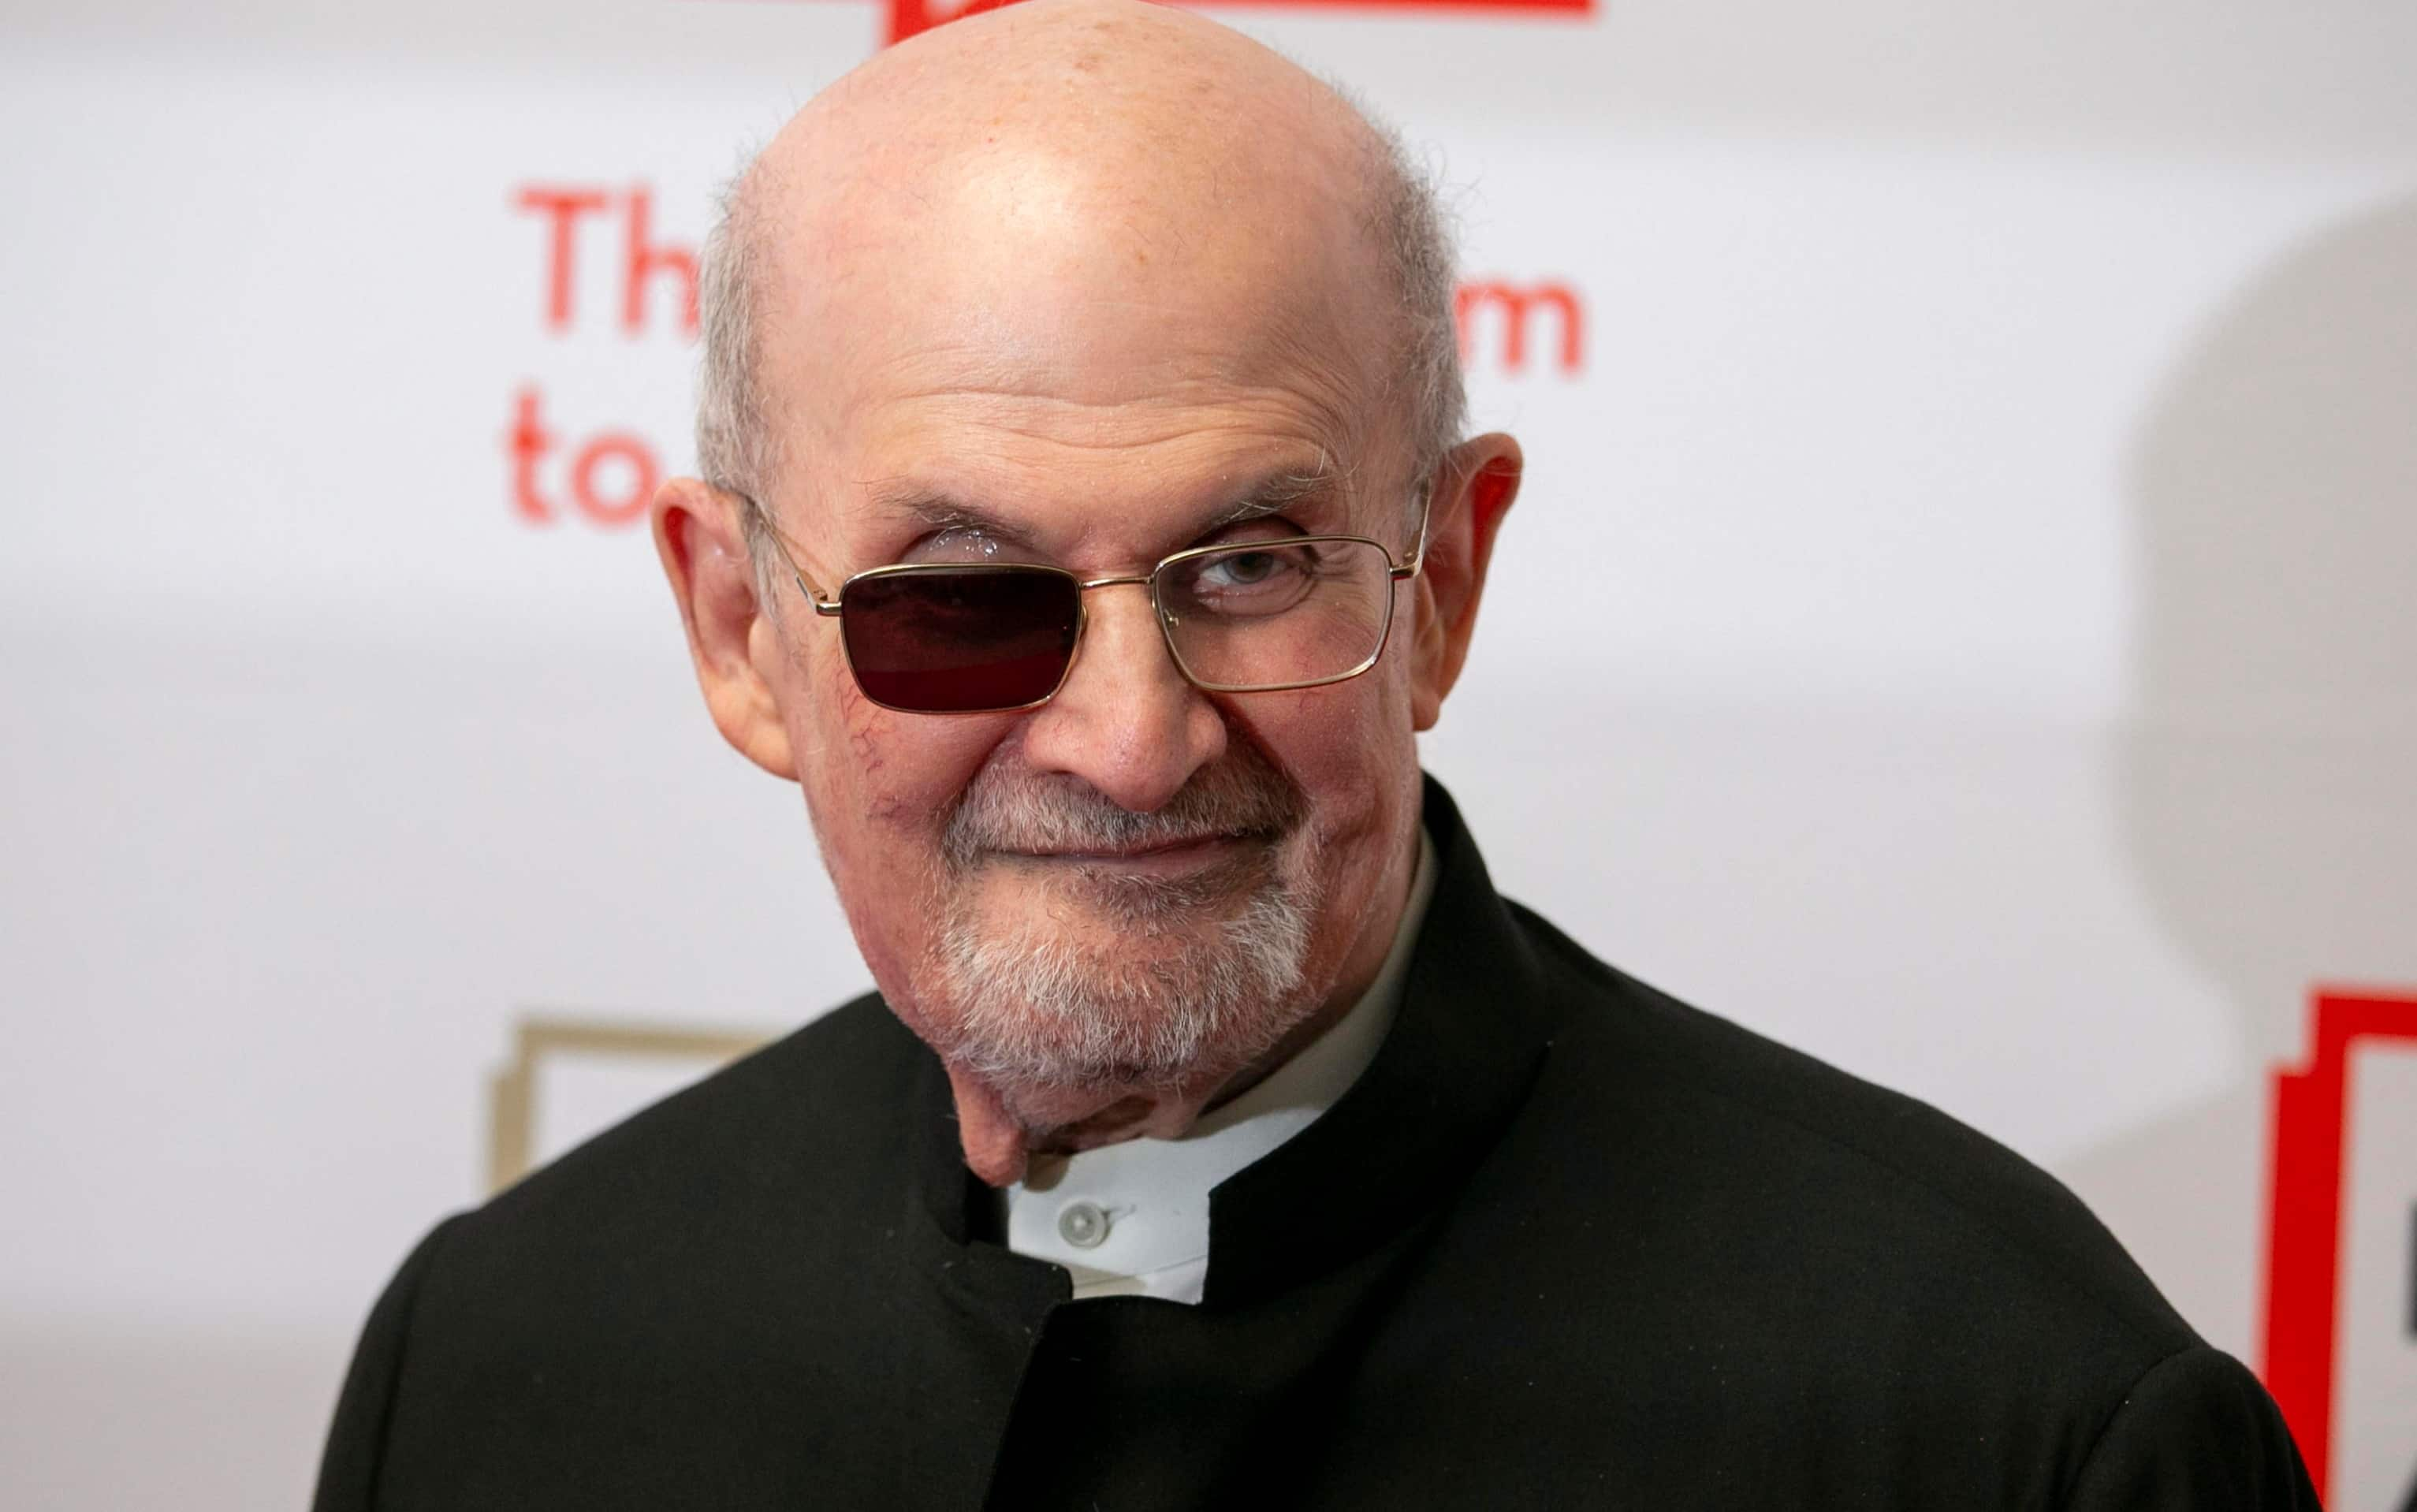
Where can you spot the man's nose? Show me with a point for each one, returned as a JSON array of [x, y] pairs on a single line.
[[1126, 721]]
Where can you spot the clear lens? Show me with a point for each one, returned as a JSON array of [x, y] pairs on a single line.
[[1271, 614]]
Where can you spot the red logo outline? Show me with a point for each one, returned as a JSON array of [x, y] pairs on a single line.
[[904, 18], [2310, 1117]]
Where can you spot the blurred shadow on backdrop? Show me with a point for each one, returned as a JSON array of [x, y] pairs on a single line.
[[2269, 769]]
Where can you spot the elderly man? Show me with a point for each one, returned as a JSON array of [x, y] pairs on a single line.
[[1087, 532]]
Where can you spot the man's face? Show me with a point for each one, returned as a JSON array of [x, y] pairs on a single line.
[[1072, 283], [1138, 882]]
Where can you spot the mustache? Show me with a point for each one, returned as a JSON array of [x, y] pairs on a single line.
[[1006, 809]]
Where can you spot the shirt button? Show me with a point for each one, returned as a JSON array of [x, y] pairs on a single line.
[[1081, 1224]]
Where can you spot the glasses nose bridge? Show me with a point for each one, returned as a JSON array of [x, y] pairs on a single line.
[[1147, 583]]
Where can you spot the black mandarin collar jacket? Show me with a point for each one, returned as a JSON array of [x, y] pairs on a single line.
[[1567, 1243]]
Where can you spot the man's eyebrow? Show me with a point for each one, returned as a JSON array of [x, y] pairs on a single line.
[[1271, 494]]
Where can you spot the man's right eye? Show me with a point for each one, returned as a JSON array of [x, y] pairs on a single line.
[[1247, 584], [1241, 570]]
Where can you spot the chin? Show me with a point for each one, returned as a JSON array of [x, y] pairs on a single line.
[[1107, 978]]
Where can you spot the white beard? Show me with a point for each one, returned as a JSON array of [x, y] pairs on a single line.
[[1029, 1008], [1149, 982]]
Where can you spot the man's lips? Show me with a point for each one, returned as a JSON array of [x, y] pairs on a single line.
[[1157, 855]]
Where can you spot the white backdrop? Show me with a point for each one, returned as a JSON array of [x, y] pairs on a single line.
[[1962, 617]]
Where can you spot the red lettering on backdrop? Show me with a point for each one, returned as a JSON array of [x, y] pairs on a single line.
[[1516, 303], [528, 441], [637, 457], [564, 206], [642, 259], [613, 474], [645, 260]]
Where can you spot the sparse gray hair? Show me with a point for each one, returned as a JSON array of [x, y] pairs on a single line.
[[1408, 224], [738, 447]]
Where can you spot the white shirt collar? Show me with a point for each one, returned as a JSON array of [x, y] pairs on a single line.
[[1131, 1219]]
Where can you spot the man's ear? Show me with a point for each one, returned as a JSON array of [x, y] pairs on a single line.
[[1474, 489], [704, 551]]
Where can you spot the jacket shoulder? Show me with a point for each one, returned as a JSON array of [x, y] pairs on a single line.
[[1941, 1211], [703, 1262], [806, 1130], [802, 1114]]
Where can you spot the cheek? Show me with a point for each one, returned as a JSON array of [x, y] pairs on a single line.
[[1351, 748], [880, 785]]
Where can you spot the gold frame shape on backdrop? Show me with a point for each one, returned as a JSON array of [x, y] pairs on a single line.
[[512, 1101]]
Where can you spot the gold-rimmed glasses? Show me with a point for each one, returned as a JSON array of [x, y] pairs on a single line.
[[990, 637]]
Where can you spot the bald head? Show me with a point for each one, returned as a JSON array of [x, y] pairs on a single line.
[[1062, 197]]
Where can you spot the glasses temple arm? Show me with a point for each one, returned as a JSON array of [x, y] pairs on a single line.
[[1417, 561], [814, 596]]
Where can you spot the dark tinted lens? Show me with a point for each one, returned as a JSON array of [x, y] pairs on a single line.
[[952, 642]]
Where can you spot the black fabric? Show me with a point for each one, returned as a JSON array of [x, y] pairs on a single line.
[[1567, 1243]]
